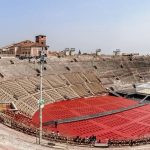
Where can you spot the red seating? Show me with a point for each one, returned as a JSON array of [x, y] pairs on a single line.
[[127, 124], [19, 117]]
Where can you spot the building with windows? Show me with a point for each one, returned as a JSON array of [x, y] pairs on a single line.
[[26, 48]]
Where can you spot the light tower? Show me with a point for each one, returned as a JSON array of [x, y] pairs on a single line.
[[41, 100]]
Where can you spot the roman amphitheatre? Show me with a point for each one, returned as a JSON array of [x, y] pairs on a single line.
[[89, 100]]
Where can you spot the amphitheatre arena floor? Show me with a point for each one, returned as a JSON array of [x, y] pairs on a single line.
[[120, 125], [14, 140]]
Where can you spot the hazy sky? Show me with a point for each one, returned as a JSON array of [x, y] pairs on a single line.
[[83, 24]]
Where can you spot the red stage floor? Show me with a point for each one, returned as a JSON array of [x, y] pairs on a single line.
[[128, 124]]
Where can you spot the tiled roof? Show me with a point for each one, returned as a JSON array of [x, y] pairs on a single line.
[[28, 43]]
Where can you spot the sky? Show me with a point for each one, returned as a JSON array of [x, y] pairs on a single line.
[[82, 24]]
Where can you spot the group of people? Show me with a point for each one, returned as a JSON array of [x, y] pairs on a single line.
[[79, 140], [55, 135], [93, 139], [85, 140], [129, 142]]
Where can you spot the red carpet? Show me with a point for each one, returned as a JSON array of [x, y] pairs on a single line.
[[128, 124]]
